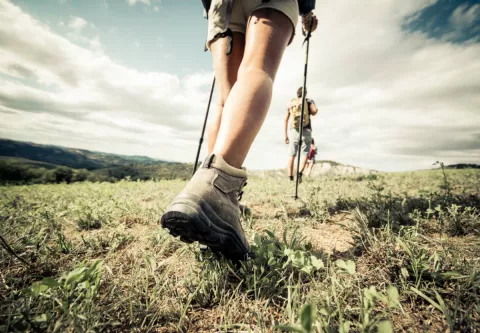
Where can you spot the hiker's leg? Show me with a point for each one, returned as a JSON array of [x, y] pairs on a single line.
[[309, 169], [293, 150], [303, 163], [268, 34], [306, 144], [291, 162], [226, 69]]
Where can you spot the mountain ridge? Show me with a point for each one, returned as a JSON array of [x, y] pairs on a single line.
[[71, 157]]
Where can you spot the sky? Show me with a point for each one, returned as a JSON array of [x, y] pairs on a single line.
[[397, 83]]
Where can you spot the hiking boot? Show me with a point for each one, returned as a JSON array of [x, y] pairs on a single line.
[[207, 209], [300, 177]]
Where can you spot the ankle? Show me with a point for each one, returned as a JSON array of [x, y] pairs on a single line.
[[219, 163], [231, 159]]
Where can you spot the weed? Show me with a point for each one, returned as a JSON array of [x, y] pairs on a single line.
[[56, 304], [446, 184], [413, 266]]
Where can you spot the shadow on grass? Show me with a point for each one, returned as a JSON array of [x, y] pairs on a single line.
[[454, 214]]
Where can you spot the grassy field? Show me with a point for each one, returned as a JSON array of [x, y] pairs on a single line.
[[389, 252]]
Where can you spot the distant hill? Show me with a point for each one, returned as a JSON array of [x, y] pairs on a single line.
[[321, 168], [31, 163], [71, 157], [26, 162]]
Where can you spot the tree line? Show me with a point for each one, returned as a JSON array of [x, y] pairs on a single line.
[[22, 174]]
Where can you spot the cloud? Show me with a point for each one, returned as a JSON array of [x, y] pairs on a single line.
[[465, 16], [77, 23], [134, 2], [451, 21], [71, 93], [390, 98], [148, 3]]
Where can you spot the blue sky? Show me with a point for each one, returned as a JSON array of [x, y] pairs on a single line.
[[397, 83], [145, 37]]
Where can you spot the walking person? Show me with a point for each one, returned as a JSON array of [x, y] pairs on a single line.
[[292, 137], [311, 158], [255, 33]]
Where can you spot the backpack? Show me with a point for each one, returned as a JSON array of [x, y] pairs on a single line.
[[295, 109]]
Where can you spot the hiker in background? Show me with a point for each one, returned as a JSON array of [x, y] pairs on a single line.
[[311, 158], [295, 112], [254, 34]]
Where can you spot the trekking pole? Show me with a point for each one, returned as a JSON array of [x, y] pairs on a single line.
[[300, 141], [203, 129]]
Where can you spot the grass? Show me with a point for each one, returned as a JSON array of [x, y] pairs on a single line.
[[395, 252]]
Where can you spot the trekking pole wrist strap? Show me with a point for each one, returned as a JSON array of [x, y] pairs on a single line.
[[229, 34]]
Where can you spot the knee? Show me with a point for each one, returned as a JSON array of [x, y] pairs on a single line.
[[253, 72]]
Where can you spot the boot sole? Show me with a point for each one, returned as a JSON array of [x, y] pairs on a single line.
[[198, 222]]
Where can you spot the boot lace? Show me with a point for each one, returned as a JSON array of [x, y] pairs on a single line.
[[240, 195]]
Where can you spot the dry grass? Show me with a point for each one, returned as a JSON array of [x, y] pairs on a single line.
[[400, 232]]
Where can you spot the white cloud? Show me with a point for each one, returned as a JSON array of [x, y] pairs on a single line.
[[77, 23], [96, 45], [71, 94], [149, 3], [134, 2], [464, 16], [388, 99]]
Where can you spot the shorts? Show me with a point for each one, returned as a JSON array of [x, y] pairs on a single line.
[[306, 141], [241, 12]]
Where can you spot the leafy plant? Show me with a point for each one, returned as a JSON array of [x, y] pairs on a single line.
[[55, 304], [446, 184], [307, 320], [64, 246]]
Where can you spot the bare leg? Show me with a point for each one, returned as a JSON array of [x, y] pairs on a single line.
[[303, 163], [226, 69], [268, 33], [309, 169], [291, 162]]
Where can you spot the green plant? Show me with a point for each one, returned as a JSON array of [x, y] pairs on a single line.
[[369, 320], [446, 184], [154, 282], [56, 304], [307, 320], [64, 246], [315, 206], [274, 261], [439, 305]]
